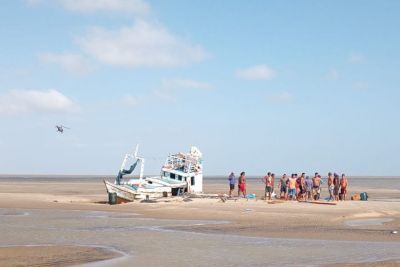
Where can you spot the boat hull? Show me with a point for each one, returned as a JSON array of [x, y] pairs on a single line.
[[128, 193], [123, 192]]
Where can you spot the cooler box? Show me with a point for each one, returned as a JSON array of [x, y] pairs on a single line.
[[364, 196]]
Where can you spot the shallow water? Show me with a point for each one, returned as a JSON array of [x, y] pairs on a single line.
[[367, 222], [153, 243]]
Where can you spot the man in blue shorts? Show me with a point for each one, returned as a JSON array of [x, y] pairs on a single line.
[[232, 181]]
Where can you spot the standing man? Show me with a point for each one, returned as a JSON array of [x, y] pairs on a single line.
[[272, 185], [297, 184], [336, 186], [331, 186], [292, 187], [301, 188], [268, 181], [316, 186], [343, 186], [242, 184], [283, 186], [309, 187], [232, 181]]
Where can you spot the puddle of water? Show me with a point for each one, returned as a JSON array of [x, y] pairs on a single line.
[[110, 215], [368, 222], [143, 238], [8, 212]]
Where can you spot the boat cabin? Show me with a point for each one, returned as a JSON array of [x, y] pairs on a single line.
[[186, 167]]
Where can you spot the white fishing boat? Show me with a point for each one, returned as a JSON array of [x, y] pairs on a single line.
[[182, 172], [186, 168]]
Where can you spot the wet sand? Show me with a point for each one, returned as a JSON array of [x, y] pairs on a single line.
[[66, 211], [52, 255]]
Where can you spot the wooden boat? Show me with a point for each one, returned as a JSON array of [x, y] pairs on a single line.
[[181, 173], [126, 192]]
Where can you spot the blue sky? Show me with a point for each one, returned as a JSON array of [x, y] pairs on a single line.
[[287, 86]]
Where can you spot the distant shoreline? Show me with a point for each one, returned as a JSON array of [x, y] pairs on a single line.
[[108, 176]]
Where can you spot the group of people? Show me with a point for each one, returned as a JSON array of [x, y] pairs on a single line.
[[295, 187]]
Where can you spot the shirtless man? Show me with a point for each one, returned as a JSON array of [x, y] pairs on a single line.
[[316, 186], [264, 180], [269, 185], [331, 187], [283, 187], [309, 187], [343, 186], [336, 184], [302, 187]]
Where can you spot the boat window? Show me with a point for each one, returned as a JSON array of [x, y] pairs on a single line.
[[192, 180], [179, 177], [172, 175], [166, 174]]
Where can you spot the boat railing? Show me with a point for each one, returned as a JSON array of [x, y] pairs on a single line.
[[184, 163]]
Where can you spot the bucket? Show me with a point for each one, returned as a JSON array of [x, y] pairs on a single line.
[[112, 198], [364, 196]]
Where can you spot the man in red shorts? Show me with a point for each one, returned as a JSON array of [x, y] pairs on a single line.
[[242, 184], [343, 186]]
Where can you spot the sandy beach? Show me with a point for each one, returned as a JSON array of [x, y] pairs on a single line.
[[66, 217]]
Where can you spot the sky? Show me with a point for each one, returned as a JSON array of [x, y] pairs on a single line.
[[257, 86]]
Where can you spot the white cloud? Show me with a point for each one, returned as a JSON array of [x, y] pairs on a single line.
[[27, 101], [360, 86], [129, 101], [70, 62], [125, 6], [165, 95], [258, 72], [332, 74], [136, 7], [186, 84], [143, 44], [356, 58], [281, 98]]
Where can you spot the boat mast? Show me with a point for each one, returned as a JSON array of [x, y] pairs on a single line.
[[141, 165], [141, 169], [127, 156]]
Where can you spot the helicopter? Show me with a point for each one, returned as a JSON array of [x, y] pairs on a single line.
[[60, 128]]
